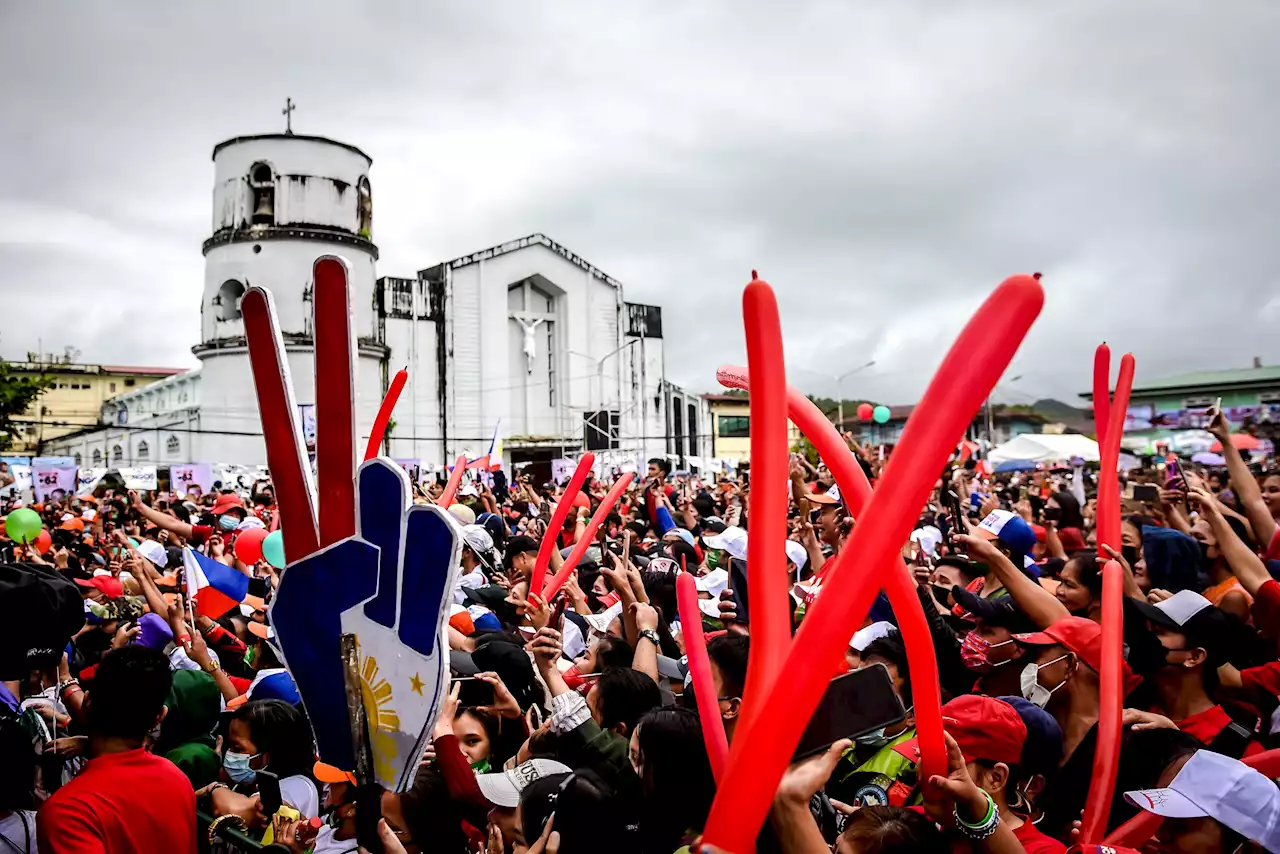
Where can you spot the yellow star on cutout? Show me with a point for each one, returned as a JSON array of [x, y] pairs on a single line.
[[416, 684]]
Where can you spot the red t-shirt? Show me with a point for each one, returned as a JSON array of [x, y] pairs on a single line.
[[121, 803], [200, 534], [1035, 842], [1208, 724]]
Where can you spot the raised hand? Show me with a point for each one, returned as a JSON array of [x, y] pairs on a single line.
[[362, 559]]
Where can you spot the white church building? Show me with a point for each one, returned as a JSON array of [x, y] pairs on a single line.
[[526, 334]]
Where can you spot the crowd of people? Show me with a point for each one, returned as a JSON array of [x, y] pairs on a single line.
[[131, 721]]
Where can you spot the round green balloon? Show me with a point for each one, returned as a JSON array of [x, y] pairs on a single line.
[[135, 542], [23, 525], [880, 414], [273, 549]]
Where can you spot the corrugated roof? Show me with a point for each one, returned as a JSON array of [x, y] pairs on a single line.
[[1211, 379]]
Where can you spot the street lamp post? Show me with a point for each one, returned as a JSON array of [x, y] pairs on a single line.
[[840, 392]]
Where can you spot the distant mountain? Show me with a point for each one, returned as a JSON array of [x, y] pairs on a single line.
[[1057, 411]]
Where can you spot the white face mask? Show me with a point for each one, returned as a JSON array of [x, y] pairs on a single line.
[[1032, 690]]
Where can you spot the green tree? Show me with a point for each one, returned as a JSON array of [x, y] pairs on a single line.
[[17, 391]]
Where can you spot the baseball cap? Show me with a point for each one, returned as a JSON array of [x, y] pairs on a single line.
[[831, 496], [732, 540], [72, 525], [863, 637], [154, 552], [1042, 751], [227, 501], [928, 536], [108, 584], [1001, 611], [463, 513], [1008, 528], [714, 524], [332, 774], [714, 582], [479, 541], [1072, 540], [503, 788], [1079, 635], [1190, 614], [467, 490], [1223, 789], [272, 684], [796, 554], [983, 727]]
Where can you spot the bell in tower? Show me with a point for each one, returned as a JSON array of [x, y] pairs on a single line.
[[262, 185]]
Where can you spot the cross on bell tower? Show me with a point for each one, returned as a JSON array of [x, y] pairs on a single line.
[[287, 112]]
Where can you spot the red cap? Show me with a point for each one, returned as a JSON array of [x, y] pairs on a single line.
[[72, 525], [227, 501], [1079, 635], [108, 584], [984, 727], [1041, 533]]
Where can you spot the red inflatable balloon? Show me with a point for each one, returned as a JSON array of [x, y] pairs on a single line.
[[1101, 391], [580, 547], [248, 546], [384, 414], [1108, 478], [1106, 759], [581, 500], [967, 375], [538, 580], [767, 577], [451, 486], [926, 688], [695, 647], [865, 411], [43, 541]]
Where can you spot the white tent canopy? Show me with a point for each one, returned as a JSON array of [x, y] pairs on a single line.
[[1045, 447]]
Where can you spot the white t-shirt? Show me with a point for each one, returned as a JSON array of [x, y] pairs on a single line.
[[18, 833], [326, 844]]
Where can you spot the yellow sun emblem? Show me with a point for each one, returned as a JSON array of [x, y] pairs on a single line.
[[375, 692]]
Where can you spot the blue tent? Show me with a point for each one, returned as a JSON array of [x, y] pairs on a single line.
[[1015, 465]]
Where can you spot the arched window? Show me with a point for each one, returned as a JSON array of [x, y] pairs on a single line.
[[79, 459], [262, 184], [144, 451], [227, 301], [117, 454], [172, 446], [97, 457], [364, 196]]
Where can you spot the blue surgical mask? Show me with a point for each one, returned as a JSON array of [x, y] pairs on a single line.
[[875, 738], [237, 766], [228, 522]]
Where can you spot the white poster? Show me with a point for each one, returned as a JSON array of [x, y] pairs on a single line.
[[562, 470], [53, 483], [196, 477], [89, 479], [140, 477], [21, 479]]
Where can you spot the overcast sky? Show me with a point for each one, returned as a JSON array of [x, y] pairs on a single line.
[[884, 165]]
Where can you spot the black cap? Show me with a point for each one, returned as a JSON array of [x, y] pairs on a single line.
[[1000, 611], [40, 611]]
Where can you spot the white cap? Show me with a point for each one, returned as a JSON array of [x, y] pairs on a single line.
[[462, 513], [250, 522], [468, 489], [600, 622], [503, 788], [478, 540], [928, 537], [714, 582], [796, 554], [1223, 789], [153, 552], [863, 637], [732, 540]]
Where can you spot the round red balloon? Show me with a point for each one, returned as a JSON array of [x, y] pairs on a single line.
[[865, 411], [582, 500], [43, 541], [248, 546]]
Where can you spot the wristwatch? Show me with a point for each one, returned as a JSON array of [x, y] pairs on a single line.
[[651, 636]]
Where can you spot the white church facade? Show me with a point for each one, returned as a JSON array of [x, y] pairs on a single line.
[[526, 335]]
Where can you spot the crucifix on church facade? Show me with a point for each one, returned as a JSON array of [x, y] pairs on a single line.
[[287, 112]]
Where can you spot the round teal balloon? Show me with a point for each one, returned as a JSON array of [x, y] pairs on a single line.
[[880, 414], [135, 542], [273, 549], [23, 525]]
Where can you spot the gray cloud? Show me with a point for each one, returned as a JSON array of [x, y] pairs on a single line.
[[883, 166]]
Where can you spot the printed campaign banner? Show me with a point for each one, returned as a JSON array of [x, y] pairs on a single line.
[[196, 477], [52, 483], [89, 479], [140, 477], [413, 468], [21, 479]]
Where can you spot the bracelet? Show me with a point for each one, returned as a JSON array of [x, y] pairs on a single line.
[[225, 819], [982, 829]]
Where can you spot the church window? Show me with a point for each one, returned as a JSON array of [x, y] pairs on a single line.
[[97, 456], [117, 454], [79, 459], [227, 300], [172, 446], [364, 195], [144, 451], [263, 187]]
